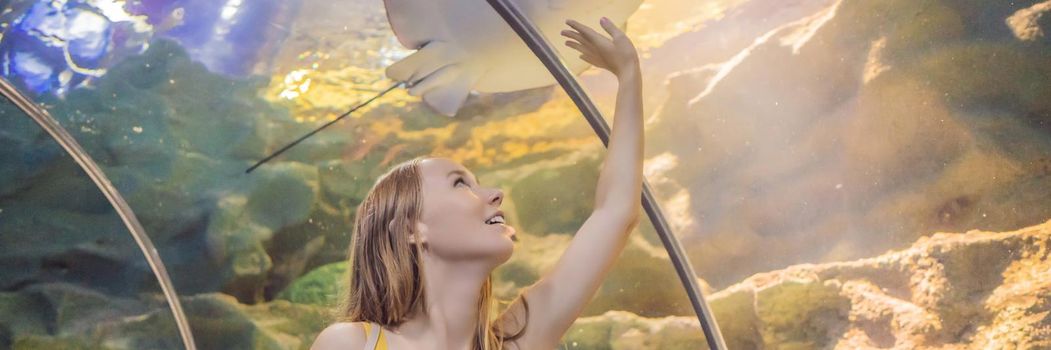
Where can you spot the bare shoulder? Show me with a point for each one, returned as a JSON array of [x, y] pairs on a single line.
[[342, 336]]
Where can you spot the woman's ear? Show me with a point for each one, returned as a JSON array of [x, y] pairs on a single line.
[[419, 234]]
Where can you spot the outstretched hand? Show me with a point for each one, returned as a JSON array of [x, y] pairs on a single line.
[[616, 54]]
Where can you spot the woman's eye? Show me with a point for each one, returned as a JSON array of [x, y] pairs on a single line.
[[458, 181]]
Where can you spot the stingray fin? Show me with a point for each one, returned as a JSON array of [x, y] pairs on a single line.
[[426, 60], [438, 72], [446, 89]]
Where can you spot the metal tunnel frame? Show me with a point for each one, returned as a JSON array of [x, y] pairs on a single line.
[[543, 51], [149, 251]]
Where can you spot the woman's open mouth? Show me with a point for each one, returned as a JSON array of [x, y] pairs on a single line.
[[498, 220], [502, 226]]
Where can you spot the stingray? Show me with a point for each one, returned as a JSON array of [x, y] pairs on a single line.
[[463, 46]]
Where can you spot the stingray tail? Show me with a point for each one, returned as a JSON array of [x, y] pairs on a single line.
[[438, 73]]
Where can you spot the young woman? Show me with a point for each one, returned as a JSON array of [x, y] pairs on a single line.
[[428, 236]]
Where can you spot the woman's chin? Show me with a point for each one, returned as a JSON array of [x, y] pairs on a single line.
[[510, 234]]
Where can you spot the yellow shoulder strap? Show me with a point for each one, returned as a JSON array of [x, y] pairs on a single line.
[[373, 336], [381, 342]]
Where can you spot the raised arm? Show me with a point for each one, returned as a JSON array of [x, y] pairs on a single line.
[[558, 298]]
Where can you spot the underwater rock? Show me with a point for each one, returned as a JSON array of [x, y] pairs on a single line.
[[1031, 24], [624, 330], [850, 128], [973, 290], [642, 281], [556, 201], [63, 316], [321, 286], [103, 256], [25, 155], [175, 140]]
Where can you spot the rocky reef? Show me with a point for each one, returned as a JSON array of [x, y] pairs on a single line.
[[836, 130], [65, 316], [973, 290]]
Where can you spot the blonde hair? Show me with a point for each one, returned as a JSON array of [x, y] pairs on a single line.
[[386, 269]]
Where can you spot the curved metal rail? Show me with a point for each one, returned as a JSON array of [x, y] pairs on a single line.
[[543, 51], [85, 161]]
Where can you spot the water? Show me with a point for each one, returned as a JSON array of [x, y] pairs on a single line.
[[778, 134]]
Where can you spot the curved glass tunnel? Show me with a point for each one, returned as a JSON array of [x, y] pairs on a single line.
[[791, 147], [68, 261]]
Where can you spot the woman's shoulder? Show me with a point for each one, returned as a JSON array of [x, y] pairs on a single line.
[[342, 336]]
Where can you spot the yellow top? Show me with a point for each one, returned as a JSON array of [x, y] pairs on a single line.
[[381, 344]]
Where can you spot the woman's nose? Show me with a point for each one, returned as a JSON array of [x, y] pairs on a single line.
[[497, 197]]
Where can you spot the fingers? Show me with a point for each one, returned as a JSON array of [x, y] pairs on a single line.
[[596, 48], [573, 35], [610, 28], [588, 33], [587, 54], [581, 44], [577, 46]]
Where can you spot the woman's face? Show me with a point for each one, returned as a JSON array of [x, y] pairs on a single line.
[[455, 210]]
